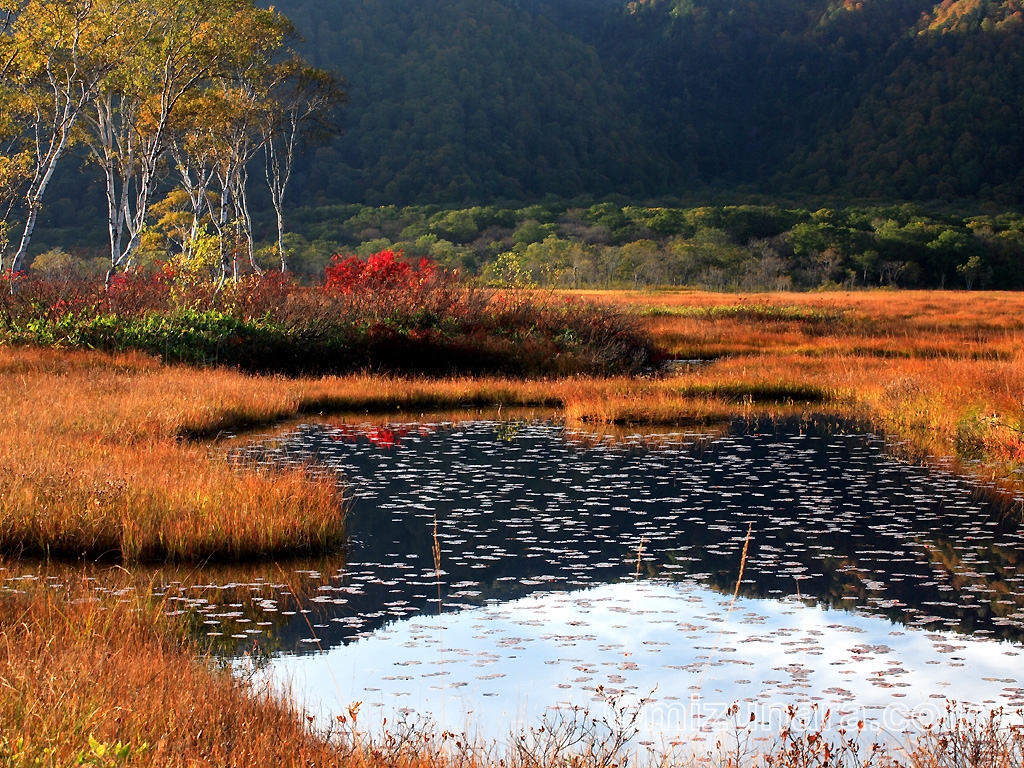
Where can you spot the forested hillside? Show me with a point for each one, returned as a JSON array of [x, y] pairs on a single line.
[[456, 100], [807, 103], [469, 100], [944, 121]]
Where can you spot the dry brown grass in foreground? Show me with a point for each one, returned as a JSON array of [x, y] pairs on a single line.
[[106, 679]]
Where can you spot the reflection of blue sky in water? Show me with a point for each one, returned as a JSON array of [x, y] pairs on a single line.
[[504, 664]]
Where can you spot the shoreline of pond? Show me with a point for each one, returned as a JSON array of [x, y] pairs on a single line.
[[928, 401]]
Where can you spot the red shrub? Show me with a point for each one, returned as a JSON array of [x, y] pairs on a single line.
[[381, 271], [133, 294], [258, 295], [25, 295]]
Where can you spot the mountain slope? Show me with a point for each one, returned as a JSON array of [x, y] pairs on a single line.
[[458, 100], [945, 122]]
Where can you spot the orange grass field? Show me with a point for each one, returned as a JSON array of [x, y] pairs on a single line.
[[941, 373], [100, 679], [119, 456]]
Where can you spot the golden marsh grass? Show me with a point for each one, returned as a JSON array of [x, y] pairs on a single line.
[[108, 679], [941, 373], [98, 453], [93, 461], [118, 454]]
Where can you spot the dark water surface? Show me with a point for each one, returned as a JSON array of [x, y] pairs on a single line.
[[576, 570]]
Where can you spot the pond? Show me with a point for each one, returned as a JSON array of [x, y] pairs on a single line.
[[774, 564]]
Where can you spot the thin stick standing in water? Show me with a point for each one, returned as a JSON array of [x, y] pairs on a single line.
[[437, 565], [639, 554], [743, 565], [440, 620], [304, 612]]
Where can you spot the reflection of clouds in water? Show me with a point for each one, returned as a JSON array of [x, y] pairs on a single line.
[[507, 663]]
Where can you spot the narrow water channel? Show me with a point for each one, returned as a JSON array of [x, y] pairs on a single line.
[[581, 572]]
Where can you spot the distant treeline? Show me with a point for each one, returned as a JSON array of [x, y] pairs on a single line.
[[719, 248]]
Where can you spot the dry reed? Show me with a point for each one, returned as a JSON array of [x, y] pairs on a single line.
[[940, 373], [107, 679], [92, 462]]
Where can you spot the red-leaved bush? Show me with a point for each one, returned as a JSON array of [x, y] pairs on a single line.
[[135, 293], [384, 293], [381, 271]]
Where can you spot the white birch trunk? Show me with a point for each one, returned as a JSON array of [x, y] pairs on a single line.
[[75, 65], [279, 171], [45, 164]]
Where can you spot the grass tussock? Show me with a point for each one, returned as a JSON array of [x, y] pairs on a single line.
[[941, 373], [104, 679], [92, 462]]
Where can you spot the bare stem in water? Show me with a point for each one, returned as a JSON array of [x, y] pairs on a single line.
[[437, 565], [305, 615], [440, 620], [743, 565]]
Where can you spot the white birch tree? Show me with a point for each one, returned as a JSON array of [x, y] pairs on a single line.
[[192, 45], [151, 86], [305, 103], [14, 159], [58, 54]]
